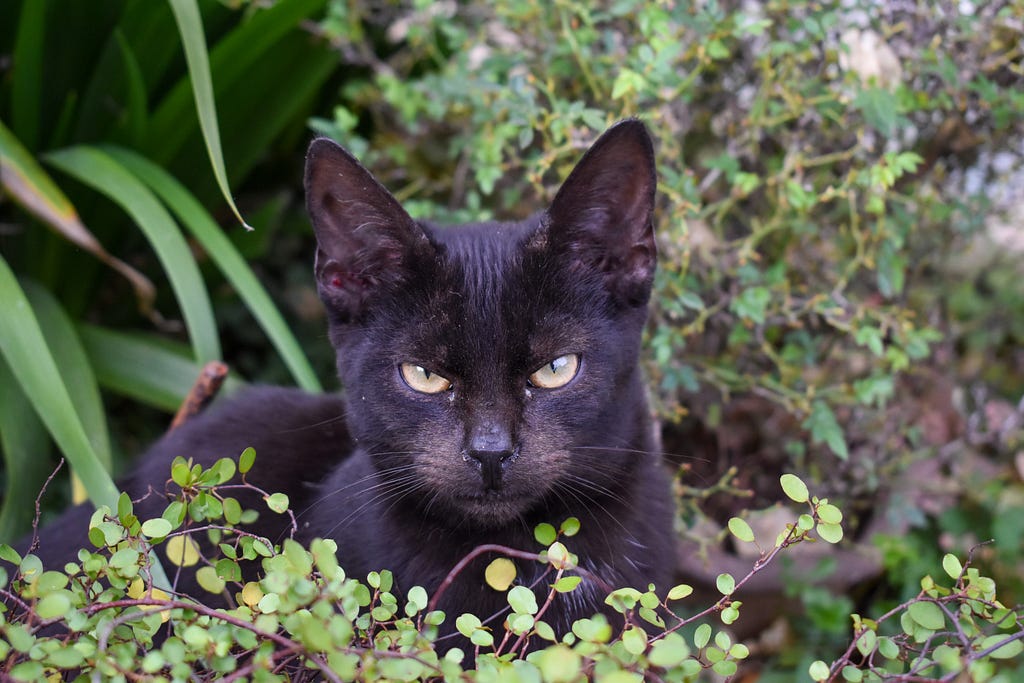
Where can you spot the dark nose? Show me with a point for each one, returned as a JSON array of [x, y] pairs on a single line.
[[490, 448]]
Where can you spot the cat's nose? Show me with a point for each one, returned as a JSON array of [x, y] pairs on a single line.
[[490, 448]]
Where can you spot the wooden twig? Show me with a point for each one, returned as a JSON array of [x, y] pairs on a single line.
[[202, 392]]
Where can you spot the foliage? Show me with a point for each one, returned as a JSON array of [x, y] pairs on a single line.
[[305, 619], [839, 290], [101, 95]]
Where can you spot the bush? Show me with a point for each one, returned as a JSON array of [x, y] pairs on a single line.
[[306, 620]]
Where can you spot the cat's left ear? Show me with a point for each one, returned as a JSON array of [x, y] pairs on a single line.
[[603, 212]]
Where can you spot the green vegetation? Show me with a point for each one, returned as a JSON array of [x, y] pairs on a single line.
[[840, 291]]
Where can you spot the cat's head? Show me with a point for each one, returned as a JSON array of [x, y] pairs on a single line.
[[491, 369]]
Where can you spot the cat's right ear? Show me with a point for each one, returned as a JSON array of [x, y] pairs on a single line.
[[366, 242]]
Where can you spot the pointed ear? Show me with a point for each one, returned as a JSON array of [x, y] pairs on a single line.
[[366, 242], [603, 212]]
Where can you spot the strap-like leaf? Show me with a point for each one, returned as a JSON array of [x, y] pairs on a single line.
[[98, 170], [190, 26], [31, 361], [148, 369], [202, 226]]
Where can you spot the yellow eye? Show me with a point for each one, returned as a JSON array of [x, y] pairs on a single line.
[[423, 380], [557, 373]]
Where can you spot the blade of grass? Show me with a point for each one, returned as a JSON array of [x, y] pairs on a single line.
[[25, 446], [73, 366], [147, 369], [29, 51], [232, 60], [24, 348], [98, 170], [202, 226], [28, 355], [190, 26], [115, 87]]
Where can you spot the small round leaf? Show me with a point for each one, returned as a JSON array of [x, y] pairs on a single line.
[[156, 528], [794, 487], [500, 574], [741, 530]]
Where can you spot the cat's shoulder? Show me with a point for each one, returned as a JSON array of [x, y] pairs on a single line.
[[290, 429]]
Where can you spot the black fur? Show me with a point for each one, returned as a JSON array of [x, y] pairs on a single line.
[[411, 482]]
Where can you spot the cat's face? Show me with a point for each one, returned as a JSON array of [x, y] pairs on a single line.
[[487, 367]]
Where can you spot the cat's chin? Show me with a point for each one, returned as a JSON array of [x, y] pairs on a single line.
[[490, 508]]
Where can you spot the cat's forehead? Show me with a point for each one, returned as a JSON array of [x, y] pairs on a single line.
[[488, 297]]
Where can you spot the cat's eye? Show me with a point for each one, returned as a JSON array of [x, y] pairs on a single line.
[[556, 373], [422, 380]]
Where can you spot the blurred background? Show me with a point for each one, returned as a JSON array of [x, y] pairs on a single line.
[[840, 220]]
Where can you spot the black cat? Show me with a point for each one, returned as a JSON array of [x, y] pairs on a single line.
[[491, 383]]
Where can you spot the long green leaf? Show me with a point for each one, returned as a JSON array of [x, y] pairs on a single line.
[[238, 60], [73, 366], [28, 355], [29, 52], [144, 368], [25, 446], [98, 170], [24, 348], [199, 222], [190, 26]]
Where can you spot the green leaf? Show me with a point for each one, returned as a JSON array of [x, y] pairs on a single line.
[[567, 584], [570, 527], [73, 365], [209, 581], [278, 502], [702, 636], [819, 670], [190, 26], [830, 533], [522, 600], [482, 638], [100, 171], [156, 528], [825, 429], [741, 530], [634, 639], [28, 356], [24, 444], [794, 488], [545, 534], [725, 584], [466, 624], [679, 592], [147, 368], [951, 565], [752, 304], [1011, 649], [53, 605], [878, 106], [246, 459], [927, 614], [669, 651]]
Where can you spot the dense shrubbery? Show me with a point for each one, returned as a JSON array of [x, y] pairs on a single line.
[[840, 291], [306, 620]]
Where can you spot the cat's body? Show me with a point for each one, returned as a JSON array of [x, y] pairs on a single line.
[[491, 383]]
